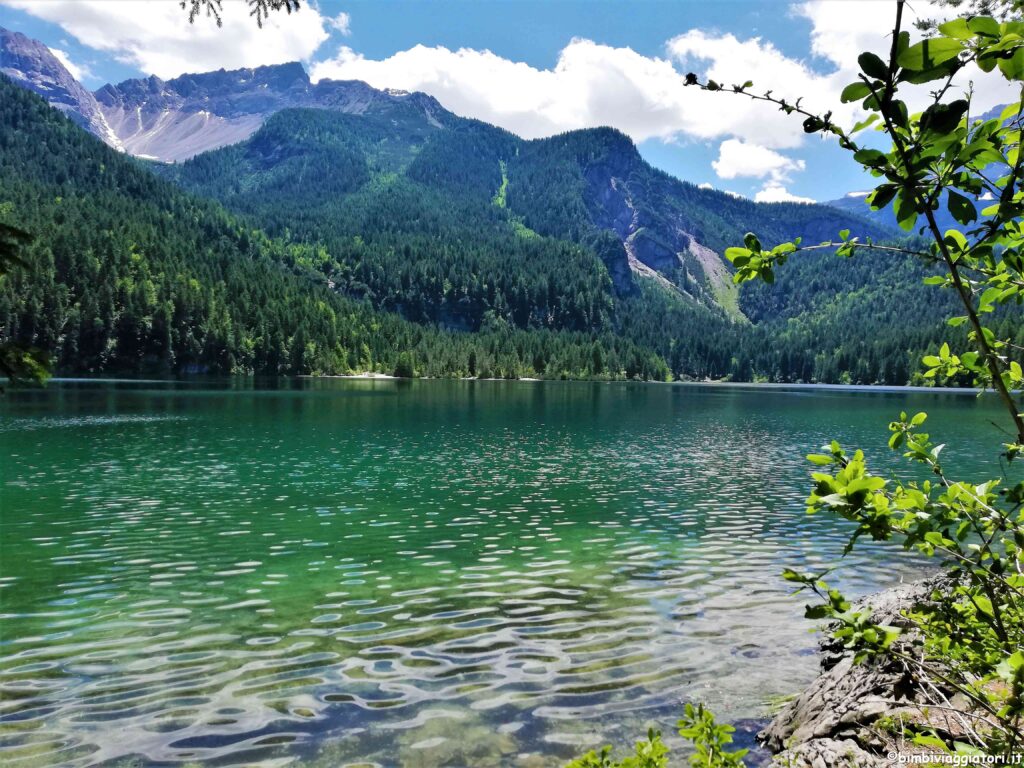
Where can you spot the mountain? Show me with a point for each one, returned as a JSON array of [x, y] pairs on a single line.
[[131, 275], [467, 226], [398, 183], [32, 65], [176, 119], [854, 203], [180, 118], [590, 188]]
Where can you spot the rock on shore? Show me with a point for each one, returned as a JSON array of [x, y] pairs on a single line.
[[836, 720]]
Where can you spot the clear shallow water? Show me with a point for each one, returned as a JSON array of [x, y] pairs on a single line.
[[429, 573]]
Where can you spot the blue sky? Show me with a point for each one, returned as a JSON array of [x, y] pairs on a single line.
[[533, 67]]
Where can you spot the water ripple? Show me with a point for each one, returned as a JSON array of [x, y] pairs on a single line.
[[445, 574]]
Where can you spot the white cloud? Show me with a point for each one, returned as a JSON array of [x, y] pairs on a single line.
[[728, 60], [342, 23], [157, 38], [774, 192], [739, 158], [841, 31], [78, 71], [590, 85]]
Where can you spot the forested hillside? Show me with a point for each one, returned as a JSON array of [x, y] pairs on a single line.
[[128, 274], [471, 226], [389, 242]]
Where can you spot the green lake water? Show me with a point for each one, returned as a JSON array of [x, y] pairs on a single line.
[[346, 572]]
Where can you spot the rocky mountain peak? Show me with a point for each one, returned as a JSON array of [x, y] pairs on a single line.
[[175, 119], [179, 118], [32, 65]]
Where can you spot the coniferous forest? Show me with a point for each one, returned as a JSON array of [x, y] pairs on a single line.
[[331, 243]]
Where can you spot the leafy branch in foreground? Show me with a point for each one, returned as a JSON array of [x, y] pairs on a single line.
[[972, 631], [937, 155]]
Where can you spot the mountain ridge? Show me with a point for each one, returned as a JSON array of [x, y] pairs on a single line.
[[32, 65], [177, 119], [173, 120]]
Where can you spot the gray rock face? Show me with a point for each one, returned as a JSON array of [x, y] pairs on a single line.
[[177, 119], [657, 240], [32, 65]]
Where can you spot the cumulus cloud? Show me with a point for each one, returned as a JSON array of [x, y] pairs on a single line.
[[342, 23], [739, 158], [774, 192], [157, 38], [590, 85], [78, 71], [840, 31], [593, 85]]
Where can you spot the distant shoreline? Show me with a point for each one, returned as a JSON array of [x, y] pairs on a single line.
[[370, 376]]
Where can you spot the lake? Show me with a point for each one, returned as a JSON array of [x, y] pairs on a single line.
[[428, 573]]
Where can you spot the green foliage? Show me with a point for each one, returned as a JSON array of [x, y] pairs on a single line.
[[698, 726], [651, 753], [405, 368], [18, 363], [450, 226], [710, 739]]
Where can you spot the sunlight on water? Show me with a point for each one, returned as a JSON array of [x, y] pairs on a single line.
[[425, 574]]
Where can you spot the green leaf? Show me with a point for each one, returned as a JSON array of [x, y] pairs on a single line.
[[813, 125], [961, 208], [865, 122], [943, 118], [873, 66], [854, 92], [929, 53], [750, 240], [906, 214], [1013, 67], [869, 157], [958, 28], [881, 196], [955, 239], [734, 253], [984, 25]]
